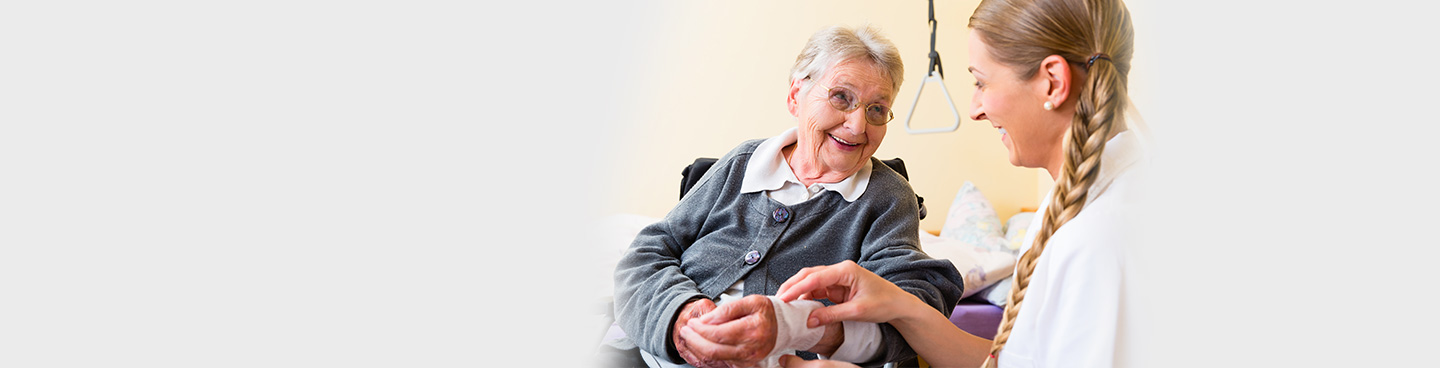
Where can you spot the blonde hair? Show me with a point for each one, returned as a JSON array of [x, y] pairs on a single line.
[[839, 43], [1095, 35]]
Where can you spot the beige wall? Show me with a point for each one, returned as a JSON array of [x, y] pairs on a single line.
[[715, 74]]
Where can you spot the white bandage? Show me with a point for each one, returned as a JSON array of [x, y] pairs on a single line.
[[791, 334]]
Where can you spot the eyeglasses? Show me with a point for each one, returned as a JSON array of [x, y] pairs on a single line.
[[846, 101]]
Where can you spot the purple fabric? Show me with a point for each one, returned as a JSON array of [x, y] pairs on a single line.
[[978, 318]]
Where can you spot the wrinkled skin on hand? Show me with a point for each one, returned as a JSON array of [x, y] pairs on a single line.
[[691, 310], [738, 334]]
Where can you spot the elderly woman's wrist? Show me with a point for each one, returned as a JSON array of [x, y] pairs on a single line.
[[832, 339]]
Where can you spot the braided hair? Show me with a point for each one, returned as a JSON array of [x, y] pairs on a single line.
[[1095, 35]]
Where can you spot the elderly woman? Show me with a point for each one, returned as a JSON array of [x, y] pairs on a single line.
[[812, 195], [1052, 76]]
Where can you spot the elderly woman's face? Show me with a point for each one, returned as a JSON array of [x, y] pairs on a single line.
[[832, 144]]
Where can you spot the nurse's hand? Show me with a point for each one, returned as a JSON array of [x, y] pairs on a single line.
[[791, 361], [860, 295], [740, 333]]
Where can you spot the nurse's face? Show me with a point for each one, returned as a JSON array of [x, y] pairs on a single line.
[[1033, 135]]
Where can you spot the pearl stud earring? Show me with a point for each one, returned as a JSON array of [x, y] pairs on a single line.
[[1049, 106]]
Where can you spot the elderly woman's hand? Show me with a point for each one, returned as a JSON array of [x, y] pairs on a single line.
[[691, 310], [860, 295], [738, 334]]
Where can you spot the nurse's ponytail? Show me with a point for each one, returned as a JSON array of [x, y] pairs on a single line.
[[1095, 36]]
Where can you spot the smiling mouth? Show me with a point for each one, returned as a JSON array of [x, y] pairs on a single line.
[[842, 141]]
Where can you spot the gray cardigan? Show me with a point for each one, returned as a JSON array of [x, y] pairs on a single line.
[[700, 248]]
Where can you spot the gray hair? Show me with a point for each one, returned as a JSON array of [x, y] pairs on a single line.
[[832, 45]]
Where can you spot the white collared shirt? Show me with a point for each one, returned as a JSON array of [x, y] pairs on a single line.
[[769, 172]]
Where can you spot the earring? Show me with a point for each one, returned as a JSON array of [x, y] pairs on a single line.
[[1049, 106]]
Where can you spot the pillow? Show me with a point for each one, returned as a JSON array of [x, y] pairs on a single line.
[[979, 267], [997, 294], [972, 219], [1015, 230]]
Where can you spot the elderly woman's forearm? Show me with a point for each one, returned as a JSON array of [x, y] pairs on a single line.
[[650, 290]]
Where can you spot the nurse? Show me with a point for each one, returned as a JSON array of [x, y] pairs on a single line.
[[1051, 77]]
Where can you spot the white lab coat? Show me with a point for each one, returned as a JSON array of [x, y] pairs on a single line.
[[1074, 308]]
